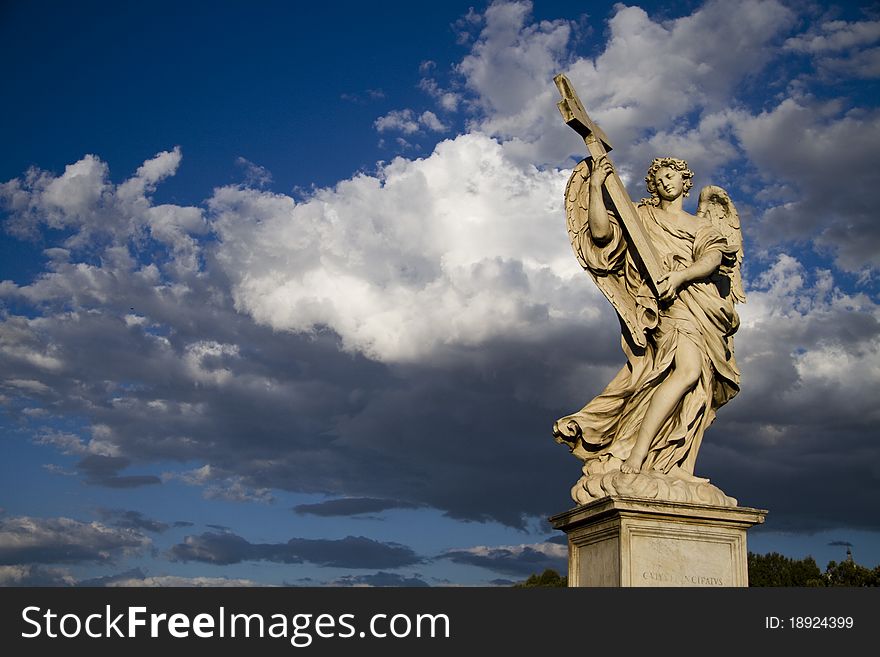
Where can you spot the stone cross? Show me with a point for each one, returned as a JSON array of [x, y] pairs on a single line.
[[597, 143]]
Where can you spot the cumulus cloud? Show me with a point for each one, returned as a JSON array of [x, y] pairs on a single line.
[[254, 174], [799, 142], [221, 485], [408, 122], [456, 248], [349, 552], [30, 575], [650, 76], [84, 201], [399, 120], [177, 581], [431, 122], [379, 579], [25, 540], [448, 100], [137, 578], [797, 436], [133, 520], [514, 560], [104, 471], [842, 47]]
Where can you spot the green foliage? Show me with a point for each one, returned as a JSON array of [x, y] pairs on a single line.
[[849, 573], [776, 570], [548, 579]]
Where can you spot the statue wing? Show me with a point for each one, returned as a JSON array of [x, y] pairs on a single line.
[[715, 205], [577, 202], [612, 285]]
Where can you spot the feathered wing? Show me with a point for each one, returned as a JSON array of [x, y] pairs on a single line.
[[577, 202], [612, 285], [715, 205]]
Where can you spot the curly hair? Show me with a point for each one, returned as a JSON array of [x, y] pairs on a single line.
[[673, 163]]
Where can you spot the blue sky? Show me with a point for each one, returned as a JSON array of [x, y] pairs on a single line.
[[287, 296]]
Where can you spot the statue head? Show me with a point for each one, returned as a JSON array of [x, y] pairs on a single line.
[[687, 176]]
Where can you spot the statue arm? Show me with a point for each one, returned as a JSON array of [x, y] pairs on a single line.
[[597, 213], [671, 283], [702, 268]]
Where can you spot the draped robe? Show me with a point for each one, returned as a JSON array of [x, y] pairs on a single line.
[[702, 312]]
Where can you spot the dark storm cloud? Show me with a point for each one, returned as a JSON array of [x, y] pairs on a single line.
[[133, 520], [470, 434], [800, 142], [26, 540], [521, 561], [349, 552], [798, 439], [268, 424], [352, 506], [103, 471]]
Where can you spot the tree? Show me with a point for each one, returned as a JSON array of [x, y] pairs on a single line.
[[849, 573], [775, 569], [548, 579]]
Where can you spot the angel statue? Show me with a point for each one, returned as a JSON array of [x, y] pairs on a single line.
[[673, 279]]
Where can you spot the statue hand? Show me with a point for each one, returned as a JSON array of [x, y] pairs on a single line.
[[669, 284], [601, 170]]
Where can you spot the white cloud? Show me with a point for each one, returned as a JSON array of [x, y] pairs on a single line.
[[408, 123], [811, 347], [205, 359], [649, 75], [254, 174], [449, 100], [833, 36], [221, 485], [84, 199], [31, 575], [800, 141], [519, 560], [66, 443], [400, 120], [63, 540], [179, 581], [431, 122], [452, 249], [554, 550]]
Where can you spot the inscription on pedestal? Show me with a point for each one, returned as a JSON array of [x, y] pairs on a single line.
[[624, 541], [666, 579], [667, 556]]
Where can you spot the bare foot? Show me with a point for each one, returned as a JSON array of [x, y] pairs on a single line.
[[633, 465], [678, 473]]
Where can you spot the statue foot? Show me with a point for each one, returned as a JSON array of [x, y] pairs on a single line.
[[633, 464], [677, 473]]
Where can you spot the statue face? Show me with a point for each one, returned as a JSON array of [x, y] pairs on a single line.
[[670, 184]]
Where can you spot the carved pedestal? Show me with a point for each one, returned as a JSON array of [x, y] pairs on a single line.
[[628, 541]]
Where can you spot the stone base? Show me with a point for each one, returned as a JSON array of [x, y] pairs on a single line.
[[628, 541]]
